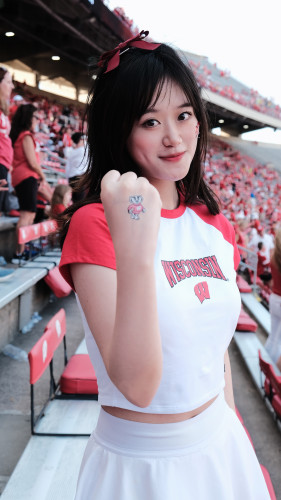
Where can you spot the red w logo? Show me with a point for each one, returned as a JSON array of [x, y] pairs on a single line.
[[202, 291]]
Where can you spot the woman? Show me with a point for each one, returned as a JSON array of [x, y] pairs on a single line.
[[273, 343], [26, 165], [153, 264], [61, 199], [6, 149]]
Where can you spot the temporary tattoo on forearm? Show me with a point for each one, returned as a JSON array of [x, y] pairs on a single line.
[[135, 207]]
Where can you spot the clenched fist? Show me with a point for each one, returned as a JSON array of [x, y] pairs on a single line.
[[132, 208]]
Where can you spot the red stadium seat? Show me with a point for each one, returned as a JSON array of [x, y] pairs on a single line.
[[78, 378], [245, 323], [275, 381], [29, 233], [57, 283], [242, 284], [266, 370]]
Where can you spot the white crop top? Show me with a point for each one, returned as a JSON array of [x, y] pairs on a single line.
[[197, 296]]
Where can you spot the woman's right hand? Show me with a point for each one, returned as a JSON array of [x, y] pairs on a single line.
[[132, 208]]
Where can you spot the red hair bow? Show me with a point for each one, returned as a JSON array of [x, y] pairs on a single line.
[[113, 56]]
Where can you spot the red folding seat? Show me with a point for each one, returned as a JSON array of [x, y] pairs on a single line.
[[29, 233], [246, 323], [78, 379], [57, 283], [79, 376], [266, 369], [242, 284]]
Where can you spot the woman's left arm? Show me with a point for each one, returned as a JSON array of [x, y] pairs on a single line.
[[228, 389]]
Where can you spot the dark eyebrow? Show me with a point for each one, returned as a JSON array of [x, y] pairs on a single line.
[[154, 110]]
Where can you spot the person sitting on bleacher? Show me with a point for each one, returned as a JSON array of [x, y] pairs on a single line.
[[273, 343], [26, 166], [61, 199]]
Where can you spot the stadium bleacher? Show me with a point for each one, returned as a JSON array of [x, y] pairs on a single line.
[[210, 77]]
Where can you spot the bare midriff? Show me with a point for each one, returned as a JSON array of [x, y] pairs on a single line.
[[155, 418]]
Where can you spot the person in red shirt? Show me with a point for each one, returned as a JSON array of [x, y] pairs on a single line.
[[6, 149], [26, 164]]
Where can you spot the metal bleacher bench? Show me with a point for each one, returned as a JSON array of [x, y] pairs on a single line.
[[28, 273]]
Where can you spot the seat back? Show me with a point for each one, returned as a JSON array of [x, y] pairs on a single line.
[[29, 233], [48, 227], [57, 283], [264, 365], [275, 381], [40, 356], [56, 328], [34, 232], [245, 323]]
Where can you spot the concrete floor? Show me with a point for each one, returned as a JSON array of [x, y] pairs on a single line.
[[15, 411], [15, 389]]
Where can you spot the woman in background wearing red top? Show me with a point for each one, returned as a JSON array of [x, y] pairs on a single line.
[[26, 165], [6, 149], [273, 343]]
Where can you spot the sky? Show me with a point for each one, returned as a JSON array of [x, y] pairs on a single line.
[[242, 36]]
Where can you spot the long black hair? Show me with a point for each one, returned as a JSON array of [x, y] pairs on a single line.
[[22, 120], [120, 97], [4, 106]]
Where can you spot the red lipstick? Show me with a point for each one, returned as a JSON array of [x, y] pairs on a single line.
[[173, 158]]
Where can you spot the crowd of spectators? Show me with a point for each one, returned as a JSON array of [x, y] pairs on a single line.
[[210, 77], [57, 121], [52, 130], [250, 193]]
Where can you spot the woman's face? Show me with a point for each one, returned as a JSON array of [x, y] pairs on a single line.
[[164, 140], [6, 86]]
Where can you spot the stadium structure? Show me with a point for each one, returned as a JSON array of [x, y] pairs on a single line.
[[61, 41], [79, 31]]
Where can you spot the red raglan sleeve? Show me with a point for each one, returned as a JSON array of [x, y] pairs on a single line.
[[88, 241], [223, 225]]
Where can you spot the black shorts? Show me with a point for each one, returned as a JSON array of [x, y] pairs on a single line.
[[26, 192]]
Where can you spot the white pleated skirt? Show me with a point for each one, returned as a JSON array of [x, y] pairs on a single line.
[[208, 457]]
